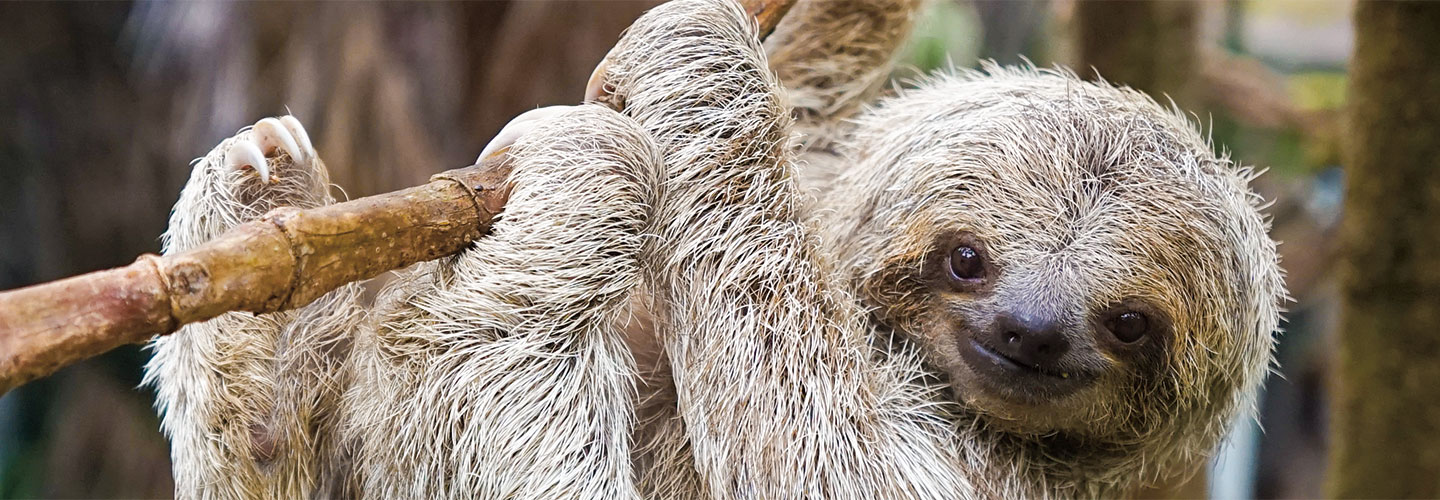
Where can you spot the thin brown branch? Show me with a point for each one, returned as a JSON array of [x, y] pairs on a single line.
[[768, 13], [285, 260]]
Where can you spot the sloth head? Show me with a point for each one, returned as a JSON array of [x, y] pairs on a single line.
[[1072, 258]]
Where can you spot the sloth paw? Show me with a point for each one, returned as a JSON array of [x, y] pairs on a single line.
[[267, 165], [518, 127], [271, 164], [273, 145]]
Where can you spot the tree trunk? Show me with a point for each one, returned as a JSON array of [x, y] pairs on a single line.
[[1147, 45], [1386, 435]]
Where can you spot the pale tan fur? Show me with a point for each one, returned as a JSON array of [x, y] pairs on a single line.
[[249, 401], [499, 372], [809, 351]]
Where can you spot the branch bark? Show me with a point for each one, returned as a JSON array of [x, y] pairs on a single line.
[[285, 260]]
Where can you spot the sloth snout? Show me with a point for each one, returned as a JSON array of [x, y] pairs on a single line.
[[1033, 341]]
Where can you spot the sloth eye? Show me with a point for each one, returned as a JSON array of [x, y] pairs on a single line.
[[965, 264], [1129, 326]]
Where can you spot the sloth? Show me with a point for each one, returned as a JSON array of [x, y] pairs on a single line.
[[491, 373], [998, 283]]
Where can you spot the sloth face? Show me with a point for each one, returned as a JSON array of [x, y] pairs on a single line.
[[1056, 288], [1025, 344], [1067, 256]]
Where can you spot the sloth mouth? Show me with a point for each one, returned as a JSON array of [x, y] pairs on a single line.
[[1012, 379], [1010, 363]]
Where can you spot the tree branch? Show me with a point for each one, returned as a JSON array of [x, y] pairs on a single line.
[[284, 260]]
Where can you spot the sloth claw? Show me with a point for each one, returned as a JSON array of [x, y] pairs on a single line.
[[271, 136], [302, 139], [518, 127], [267, 139], [595, 88], [245, 154]]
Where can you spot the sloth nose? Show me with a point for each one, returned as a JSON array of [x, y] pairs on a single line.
[[1036, 342]]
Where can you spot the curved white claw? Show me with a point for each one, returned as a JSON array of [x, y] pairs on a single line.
[[244, 153], [595, 87], [270, 134], [518, 126], [302, 138]]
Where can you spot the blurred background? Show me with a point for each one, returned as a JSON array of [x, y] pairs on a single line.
[[103, 105]]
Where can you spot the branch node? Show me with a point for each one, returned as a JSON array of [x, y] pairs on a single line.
[[278, 217], [157, 264]]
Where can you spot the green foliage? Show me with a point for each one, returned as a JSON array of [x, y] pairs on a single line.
[[946, 33], [1318, 90]]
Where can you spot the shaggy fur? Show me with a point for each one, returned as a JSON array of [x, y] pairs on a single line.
[[456, 364], [808, 346], [500, 372], [833, 56], [770, 368], [1087, 195], [249, 401], [811, 351]]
